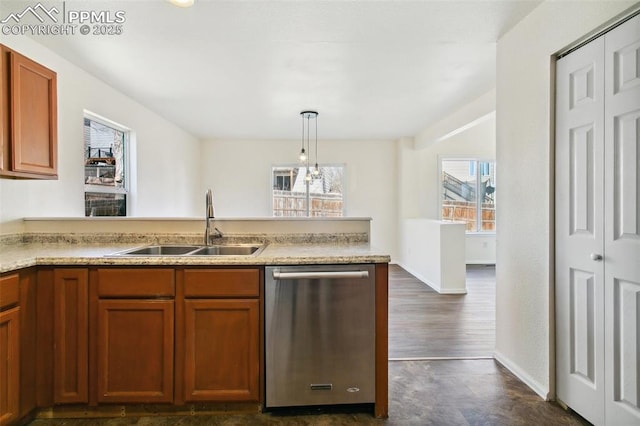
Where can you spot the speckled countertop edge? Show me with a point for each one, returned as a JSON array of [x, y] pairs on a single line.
[[24, 255]]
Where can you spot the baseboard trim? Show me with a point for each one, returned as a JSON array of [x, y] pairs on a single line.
[[440, 358], [420, 277], [431, 284], [541, 390]]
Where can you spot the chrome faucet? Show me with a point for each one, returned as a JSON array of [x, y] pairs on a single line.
[[208, 216]]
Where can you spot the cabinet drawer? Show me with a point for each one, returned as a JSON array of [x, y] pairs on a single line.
[[131, 282], [221, 282], [9, 290]]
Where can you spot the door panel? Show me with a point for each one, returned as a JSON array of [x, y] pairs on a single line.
[[34, 117], [626, 339], [71, 330], [582, 310], [221, 350], [581, 181], [626, 178], [622, 230], [579, 230], [135, 351]]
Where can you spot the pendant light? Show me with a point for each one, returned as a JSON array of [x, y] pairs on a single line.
[[305, 154], [316, 169]]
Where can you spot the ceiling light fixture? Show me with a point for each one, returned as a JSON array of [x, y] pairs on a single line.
[[182, 3], [305, 154]]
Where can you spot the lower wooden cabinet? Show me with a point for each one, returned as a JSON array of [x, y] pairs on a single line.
[[221, 355], [89, 336], [71, 334], [17, 345], [135, 351], [9, 365]]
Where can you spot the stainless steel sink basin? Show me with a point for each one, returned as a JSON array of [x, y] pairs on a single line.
[[227, 250], [176, 250], [160, 250]]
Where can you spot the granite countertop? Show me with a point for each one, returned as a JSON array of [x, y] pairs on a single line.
[[23, 255]]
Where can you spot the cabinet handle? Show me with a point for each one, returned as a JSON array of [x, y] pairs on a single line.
[[277, 275], [596, 257]]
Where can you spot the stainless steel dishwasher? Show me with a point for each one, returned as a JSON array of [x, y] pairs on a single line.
[[319, 335]]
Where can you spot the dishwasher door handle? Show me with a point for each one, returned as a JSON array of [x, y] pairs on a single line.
[[277, 275]]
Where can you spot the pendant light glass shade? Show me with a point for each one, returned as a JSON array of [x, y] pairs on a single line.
[[307, 116]]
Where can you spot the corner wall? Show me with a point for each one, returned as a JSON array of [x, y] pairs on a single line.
[[167, 181], [525, 234]]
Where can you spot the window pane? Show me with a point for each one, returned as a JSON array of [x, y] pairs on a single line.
[[105, 204], [459, 192], [325, 191], [104, 169], [289, 199], [463, 194], [104, 155], [488, 187]]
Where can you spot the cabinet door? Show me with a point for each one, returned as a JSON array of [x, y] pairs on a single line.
[[33, 117], [71, 328], [221, 350], [135, 351], [9, 365]]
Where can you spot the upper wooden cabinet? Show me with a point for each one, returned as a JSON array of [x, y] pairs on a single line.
[[28, 112]]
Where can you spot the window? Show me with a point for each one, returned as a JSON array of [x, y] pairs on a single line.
[[468, 190], [293, 195], [105, 168]]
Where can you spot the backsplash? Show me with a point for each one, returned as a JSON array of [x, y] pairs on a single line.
[[186, 238]]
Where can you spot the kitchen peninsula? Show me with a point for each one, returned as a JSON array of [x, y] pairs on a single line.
[[78, 309]]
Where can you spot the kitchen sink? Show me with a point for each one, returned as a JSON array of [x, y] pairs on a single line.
[[176, 250], [159, 250], [227, 250]]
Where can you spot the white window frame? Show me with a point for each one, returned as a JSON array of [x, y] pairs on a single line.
[[126, 188], [297, 165], [478, 171]]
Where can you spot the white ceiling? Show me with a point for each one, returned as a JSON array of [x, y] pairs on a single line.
[[245, 69]]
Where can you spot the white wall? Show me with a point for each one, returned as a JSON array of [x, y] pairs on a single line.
[[167, 181], [239, 172], [434, 253], [419, 180], [524, 300]]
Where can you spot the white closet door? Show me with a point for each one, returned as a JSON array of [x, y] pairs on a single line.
[[622, 230], [579, 230]]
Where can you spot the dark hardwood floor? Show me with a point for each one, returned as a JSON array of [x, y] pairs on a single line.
[[421, 393], [422, 323], [426, 324]]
